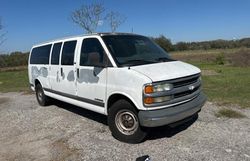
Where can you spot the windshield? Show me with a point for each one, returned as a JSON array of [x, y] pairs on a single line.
[[130, 50]]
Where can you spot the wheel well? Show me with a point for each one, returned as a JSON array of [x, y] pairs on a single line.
[[37, 82], [115, 97]]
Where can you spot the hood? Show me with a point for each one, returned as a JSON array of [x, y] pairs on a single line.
[[166, 70]]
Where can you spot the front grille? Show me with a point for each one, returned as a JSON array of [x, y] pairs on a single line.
[[186, 81], [181, 94], [186, 87]]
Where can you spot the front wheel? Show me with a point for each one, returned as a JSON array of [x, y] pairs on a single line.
[[42, 99], [124, 123]]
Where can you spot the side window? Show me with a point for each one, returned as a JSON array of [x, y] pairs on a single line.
[[92, 53], [68, 53], [40, 55], [56, 53]]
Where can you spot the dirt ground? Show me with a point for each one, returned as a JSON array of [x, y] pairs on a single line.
[[65, 132]]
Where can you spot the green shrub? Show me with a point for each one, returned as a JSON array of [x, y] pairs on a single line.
[[220, 59]]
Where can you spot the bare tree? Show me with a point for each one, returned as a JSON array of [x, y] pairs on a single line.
[[2, 35], [88, 16], [115, 19]]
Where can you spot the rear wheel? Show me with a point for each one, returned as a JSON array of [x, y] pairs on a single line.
[[42, 99], [124, 123]]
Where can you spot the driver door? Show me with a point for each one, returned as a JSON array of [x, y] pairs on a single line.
[[92, 73]]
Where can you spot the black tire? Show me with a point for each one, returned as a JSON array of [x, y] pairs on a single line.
[[42, 99], [124, 123]]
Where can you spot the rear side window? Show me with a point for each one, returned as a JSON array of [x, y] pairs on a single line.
[[56, 53], [40, 55], [68, 53]]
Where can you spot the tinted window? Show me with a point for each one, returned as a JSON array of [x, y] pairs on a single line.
[[40, 55], [129, 50], [56, 53], [92, 53], [68, 53]]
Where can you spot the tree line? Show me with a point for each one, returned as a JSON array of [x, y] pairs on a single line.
[[20, 59], [14, 59], [167, 45]]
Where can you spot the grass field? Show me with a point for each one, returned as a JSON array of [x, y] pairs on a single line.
[[223, 84], [14, 80], [226, 84]]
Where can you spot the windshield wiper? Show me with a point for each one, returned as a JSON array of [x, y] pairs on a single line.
[[163, 59], [138, 62]]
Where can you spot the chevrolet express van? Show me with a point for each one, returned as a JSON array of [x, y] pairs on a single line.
[[124, 76]]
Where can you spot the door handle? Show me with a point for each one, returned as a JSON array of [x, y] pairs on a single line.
[[61, 71], [77, 72]]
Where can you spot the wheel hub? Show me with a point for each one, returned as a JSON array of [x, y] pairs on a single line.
[[126, 122], [39, 95]]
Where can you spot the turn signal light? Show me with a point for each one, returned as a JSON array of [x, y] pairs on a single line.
[[148, 100], [148, 89]]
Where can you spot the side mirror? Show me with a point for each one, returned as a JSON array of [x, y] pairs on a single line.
[[97, 70]]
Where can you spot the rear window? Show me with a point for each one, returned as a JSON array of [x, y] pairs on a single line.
[[40, 55], [68, 53]]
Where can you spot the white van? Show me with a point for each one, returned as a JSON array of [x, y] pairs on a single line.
[[124, 76]]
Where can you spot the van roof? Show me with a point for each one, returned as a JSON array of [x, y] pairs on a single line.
[[77, 36]]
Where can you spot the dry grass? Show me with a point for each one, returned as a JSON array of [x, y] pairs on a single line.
[[229, 113], [207, 57], [240, 58], [237, 57], [11, 69], [208, 72]]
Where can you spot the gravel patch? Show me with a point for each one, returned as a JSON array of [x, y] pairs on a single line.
[[65, 132]]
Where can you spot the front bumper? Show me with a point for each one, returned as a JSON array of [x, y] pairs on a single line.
[[173, 114]]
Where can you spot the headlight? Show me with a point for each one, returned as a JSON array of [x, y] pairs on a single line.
[[157, 88], [162, 87], [151, 89]]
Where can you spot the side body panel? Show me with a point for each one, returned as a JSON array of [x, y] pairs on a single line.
[[127, 82]]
